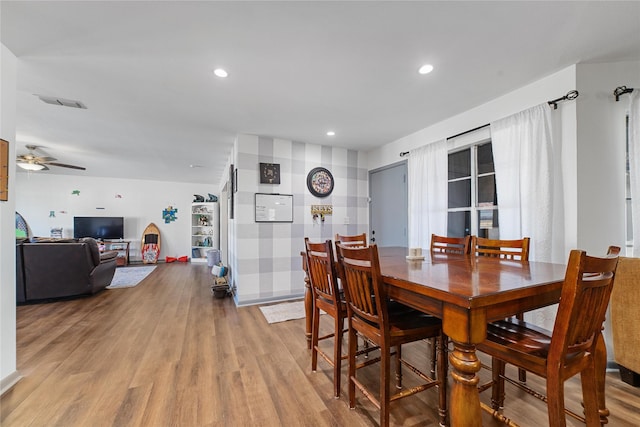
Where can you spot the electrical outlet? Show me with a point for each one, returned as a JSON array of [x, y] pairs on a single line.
[[346, 220]]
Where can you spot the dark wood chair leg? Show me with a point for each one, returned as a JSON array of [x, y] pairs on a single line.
[[434, 350], [443, 367], [398, 367], [337, 355], [522, 374], [314, 338], [497, 389], [385, 365], [555, 402], [353, 348]]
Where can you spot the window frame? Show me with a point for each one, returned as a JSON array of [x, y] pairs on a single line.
[[472, 141]]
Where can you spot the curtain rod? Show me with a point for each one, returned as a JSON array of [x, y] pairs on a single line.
[[621, 90], [570, 96]]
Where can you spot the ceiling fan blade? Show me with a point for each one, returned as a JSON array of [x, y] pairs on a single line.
[[62, 165], [45, 159]]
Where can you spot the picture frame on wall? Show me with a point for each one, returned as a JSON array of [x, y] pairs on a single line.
[[231, 190], [235, 180], [269, 173], [4, 170]]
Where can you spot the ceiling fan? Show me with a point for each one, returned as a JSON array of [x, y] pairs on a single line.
[[33, 162]]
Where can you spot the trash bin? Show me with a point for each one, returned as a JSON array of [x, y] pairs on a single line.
[[213, 257]]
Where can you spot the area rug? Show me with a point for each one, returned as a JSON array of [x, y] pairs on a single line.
[[284, 311], [128, 277]]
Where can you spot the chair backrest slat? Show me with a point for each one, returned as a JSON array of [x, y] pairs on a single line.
[[450, 245], [356, 240], [506, 249]]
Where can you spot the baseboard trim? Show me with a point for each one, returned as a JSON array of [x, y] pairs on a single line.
[[9, 381], [268, 300]]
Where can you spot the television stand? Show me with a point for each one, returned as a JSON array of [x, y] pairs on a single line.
[[122, 246]]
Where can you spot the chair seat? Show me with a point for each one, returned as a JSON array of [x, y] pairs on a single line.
[[522, 344], [520, 336], [410, 322]]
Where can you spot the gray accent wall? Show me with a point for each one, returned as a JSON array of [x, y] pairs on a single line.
[[265, 257]]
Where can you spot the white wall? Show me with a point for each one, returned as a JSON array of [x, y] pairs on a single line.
[[601, 153], [601, 158], [140, 203], [8, 372]]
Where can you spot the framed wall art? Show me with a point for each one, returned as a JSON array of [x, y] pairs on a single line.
[[4, 170], [269, 173]]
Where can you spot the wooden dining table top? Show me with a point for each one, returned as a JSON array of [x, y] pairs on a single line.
[[468, 281]]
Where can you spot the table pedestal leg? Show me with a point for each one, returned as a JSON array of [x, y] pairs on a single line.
[[464, 398]]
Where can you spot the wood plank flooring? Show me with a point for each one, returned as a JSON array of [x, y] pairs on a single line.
[[166, 353]]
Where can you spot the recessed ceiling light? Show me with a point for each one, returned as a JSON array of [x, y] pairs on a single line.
[[425, 69], [331, 133], [220, 72]]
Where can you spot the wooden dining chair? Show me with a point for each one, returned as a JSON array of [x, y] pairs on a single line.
[[323, 277], [450, 245], [517, 249], [353, 240], [565, 352], [387, 324]]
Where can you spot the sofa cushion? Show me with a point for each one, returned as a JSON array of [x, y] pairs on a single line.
[[93, 249], [51, 240]]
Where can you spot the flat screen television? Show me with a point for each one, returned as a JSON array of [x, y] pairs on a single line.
[[98, 227]]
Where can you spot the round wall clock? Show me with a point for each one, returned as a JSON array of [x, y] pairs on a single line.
[[320, 182]]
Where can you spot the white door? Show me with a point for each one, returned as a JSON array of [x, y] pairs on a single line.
[[388, 208]]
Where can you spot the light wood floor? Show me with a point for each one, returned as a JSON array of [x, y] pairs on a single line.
[[166, 353]]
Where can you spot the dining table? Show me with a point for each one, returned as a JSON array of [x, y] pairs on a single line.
[[467, 292]]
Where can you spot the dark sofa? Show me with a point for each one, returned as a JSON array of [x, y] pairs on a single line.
[[48, 269]]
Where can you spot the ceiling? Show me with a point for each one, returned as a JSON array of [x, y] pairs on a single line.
[[144, 70]]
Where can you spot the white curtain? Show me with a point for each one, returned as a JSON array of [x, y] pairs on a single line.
[[428, 195], [634, 167], [528, 182]]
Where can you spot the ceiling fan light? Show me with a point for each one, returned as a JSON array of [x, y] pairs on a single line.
[[30, 166]]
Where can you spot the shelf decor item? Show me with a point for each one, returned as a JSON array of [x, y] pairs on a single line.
[[320, 182], [269, 173], [150, 247]]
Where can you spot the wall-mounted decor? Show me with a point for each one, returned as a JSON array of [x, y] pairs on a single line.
[[230, 193], [320, 182], [169, 214], [269, 173], [235, 180], [4, 170], [274, 207]]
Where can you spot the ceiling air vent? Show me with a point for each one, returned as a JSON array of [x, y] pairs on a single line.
[[61, 101]]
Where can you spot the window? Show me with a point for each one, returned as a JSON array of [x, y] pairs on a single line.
[[629, 210], [473, 202]]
